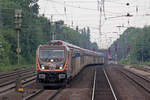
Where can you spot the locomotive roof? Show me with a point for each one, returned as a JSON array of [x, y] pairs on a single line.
[[79, 48], [86, 51]]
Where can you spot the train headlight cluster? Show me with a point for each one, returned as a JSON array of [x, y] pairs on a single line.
[[42, 66], [60, 66], [53, 66]]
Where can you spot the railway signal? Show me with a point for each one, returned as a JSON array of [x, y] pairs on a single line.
[[18, 21], [0, 44], [128, 49], [116, 47], [116, 54]]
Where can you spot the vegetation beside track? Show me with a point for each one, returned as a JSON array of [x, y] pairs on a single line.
[[126, 62], [133, 46], [35, 29]]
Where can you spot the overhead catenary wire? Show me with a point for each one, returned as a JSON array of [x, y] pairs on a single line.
[[53, 5], [79, 7], [115, 15], [65, 11]]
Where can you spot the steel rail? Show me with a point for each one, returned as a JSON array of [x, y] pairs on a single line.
[[94, 84], [12, 81], [11, 85], [146, 79], [55, 94], [135, 81], [33, 95], [112, 90], [15, 73], [51, 97], [93, 90]]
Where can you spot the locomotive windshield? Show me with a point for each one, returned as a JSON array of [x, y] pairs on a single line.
[[48, 54]]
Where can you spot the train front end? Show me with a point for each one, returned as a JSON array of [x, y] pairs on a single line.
[[52, 64]]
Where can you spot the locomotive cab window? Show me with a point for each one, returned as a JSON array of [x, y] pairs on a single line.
[[51, 54]]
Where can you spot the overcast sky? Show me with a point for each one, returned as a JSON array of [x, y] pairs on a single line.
[[84, 13]]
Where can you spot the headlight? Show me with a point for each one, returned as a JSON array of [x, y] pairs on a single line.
[[60, 66], [42, 66], [52, 60]]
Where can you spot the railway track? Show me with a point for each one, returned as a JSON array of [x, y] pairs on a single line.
[[139, 80], [16, 72], [9, 79], [44, 94], [102, 88], [29, 97], [9, 86], [144, 68]]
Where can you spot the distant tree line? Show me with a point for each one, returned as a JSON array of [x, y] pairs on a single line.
[[133, 46], [35, 30]]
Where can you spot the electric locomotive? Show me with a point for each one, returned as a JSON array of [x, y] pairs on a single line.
[[57, 62]]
